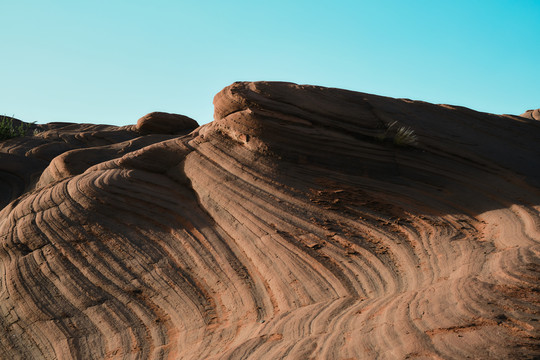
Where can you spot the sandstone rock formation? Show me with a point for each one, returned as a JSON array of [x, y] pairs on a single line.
[[532, 114], [303, 223], [165, 123]]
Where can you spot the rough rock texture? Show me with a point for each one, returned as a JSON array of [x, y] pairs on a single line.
[[303, 223]]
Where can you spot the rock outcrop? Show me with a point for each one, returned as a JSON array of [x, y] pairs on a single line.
[[303, 222], [532, 114], [165, 123]]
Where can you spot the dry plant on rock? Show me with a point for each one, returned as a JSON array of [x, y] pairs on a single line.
[[405, 136], [400, 135]]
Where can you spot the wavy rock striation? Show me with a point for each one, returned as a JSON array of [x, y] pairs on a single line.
[[303, 222]]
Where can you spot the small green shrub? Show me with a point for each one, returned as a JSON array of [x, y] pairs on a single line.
[[9, 130]]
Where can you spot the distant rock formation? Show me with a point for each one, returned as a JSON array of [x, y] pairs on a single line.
[[304, 222], [165, 123], [532, 114]]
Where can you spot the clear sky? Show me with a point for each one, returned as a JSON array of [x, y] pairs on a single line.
[[111, 61]]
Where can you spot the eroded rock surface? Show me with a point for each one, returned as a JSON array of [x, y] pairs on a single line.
[[532, 114], [165, 123], [303, 222]]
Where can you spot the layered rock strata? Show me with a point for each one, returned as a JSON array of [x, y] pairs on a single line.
[[303, 222]]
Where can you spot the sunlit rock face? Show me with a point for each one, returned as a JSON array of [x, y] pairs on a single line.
[[302, 223], [532, 114]]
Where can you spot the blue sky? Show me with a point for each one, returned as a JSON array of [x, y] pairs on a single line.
[[110, 61]]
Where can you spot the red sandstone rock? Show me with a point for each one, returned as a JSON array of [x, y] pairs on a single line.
[[532, 114], [302, 223], [165, 123]]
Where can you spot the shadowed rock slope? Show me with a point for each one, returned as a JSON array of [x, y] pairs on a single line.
[[303, 223]]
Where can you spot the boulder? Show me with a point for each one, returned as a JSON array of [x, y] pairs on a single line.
[[165, 123]]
